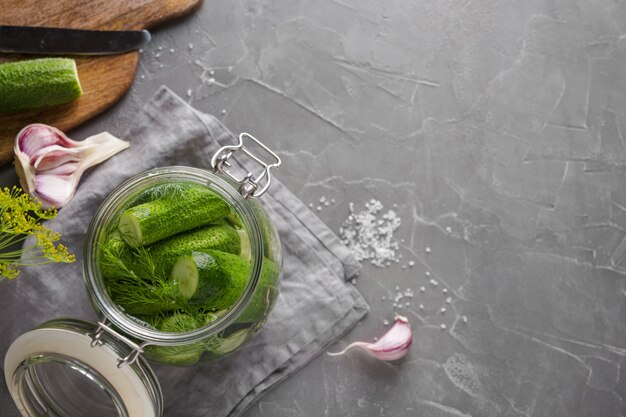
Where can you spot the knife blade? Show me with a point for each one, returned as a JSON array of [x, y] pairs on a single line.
[[56, 41]]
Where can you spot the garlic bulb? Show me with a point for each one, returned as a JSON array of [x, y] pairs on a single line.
[[50, 165]]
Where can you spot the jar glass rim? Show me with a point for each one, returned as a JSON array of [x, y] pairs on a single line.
[[111, 205]]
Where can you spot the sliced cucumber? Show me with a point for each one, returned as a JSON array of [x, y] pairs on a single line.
[[231, 343], [159, 219], [222, 237], [183, 355], [211, 278], [263, 299], [246, 253]]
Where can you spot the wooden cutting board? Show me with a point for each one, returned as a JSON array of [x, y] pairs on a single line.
[[105, 79]]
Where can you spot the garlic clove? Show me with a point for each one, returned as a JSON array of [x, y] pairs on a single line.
[[53, 156], [391, 346], [36, 136], [55, 190]]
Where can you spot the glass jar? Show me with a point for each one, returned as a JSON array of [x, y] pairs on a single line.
[[44, 367]]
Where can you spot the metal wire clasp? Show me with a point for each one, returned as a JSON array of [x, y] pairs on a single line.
[[136, 350], [249, 185]]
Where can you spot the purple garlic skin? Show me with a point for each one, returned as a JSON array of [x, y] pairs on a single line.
[[392, 346], [50, 165]]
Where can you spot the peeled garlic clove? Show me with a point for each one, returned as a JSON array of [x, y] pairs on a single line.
[[50, 165], [391, 346]]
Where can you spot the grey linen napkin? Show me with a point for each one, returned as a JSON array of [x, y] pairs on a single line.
[[315, 307]]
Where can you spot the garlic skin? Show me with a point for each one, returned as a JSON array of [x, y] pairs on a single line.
[[50, 165], [391, 346]]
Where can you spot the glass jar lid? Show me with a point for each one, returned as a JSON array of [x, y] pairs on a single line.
[[61, 369]]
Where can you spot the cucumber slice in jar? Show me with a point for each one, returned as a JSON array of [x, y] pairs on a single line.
[[209, 278], [183, 355], [231, 342]]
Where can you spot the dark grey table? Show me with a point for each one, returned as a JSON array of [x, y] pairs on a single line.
[[496, 127]]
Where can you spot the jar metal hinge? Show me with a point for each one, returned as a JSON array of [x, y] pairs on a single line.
[[249, 185], [104, 327]]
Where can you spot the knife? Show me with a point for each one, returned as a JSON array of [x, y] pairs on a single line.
[[55, 41]]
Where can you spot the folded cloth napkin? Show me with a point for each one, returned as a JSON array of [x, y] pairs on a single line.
[[315, 307]]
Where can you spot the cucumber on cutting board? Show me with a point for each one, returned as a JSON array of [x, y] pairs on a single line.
[[165, 217], [38, 83], [210, 278]]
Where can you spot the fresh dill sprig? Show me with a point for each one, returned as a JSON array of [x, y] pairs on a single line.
[[20, 217], [134, 280]]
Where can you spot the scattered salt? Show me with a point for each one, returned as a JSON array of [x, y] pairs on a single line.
[[319, 208], [445, 290], [427, 273], [403, 266], [212, 72], [142, 76], [223, 111], [189, 92], [443, 310], [191, 46], [411, 263], [322, 199], [311, 205], [407, 304], [421, 306], [157, 55], [443, 326], [326, 203], [332, 200], [160, 65], [383, 298], [397, 288], [369, 234], [160, 48], [211, 80], [353, 281], [386, 322], [422, 289], [171, 50], [427, 249], [464, 318], [449, 300], [449, 229]]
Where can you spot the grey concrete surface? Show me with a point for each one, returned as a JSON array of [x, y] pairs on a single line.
[[498, 129]]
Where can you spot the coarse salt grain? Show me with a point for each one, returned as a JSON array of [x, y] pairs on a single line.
[[369, 234], [386, 322], [449, 300], [422, 289], [443, 326], [464, 318], [421, 306]]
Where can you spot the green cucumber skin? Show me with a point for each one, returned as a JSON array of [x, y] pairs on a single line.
[[222, 278], [183, 355], [265, 296], [222, 237], [38, 83], [166, 217]]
